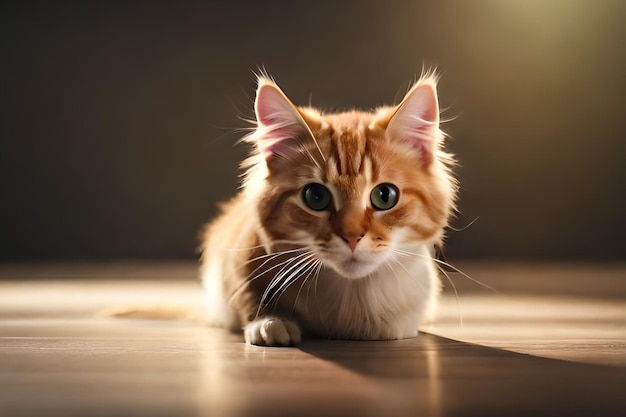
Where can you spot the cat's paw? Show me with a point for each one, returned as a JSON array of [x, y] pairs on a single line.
[[272, 331]]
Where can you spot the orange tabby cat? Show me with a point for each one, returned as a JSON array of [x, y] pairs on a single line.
[[333, 231]]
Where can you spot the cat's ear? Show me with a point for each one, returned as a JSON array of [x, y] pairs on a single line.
[[416, 120], [281, 128]]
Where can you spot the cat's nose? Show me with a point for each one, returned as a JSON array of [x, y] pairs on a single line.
[[352, 241]]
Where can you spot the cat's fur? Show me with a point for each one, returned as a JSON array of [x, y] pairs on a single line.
[[277, 269]]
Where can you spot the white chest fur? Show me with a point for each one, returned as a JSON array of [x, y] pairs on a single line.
[[388, 304]]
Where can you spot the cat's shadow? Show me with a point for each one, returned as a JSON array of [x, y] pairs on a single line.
[[418, 357], [437, 373], [431, 356]]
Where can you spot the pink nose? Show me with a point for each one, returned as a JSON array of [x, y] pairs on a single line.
[[352, 241]]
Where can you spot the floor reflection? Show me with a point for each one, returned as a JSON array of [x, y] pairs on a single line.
[[59, 360], [434, 377]]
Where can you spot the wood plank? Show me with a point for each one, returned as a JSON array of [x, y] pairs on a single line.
[[57, 358]]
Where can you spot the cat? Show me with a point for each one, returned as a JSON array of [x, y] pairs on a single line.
[[333, 230]]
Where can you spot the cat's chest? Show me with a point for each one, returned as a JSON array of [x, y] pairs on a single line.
[[385, 305]]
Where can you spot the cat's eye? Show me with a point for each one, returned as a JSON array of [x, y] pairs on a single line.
[[316, 197], [384, 196]]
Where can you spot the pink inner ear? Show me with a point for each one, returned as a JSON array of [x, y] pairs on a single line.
[[278, 140], [278, 121], [271, 105], [417, 121]]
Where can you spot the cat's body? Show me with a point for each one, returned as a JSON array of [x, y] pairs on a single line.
[[333, 231]]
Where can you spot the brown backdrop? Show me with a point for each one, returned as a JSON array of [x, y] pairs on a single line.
[[117, 118]]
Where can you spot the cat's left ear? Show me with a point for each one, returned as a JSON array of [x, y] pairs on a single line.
[[281, 127], [416, 120]]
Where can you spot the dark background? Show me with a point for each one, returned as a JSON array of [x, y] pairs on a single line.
[[118, 119]]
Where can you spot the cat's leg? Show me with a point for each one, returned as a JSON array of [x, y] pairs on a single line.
[[272, 331], [218, 311]]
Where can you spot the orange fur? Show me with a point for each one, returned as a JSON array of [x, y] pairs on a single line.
[[274, 266]]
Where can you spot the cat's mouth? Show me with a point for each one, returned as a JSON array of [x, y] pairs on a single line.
[[347, 264]]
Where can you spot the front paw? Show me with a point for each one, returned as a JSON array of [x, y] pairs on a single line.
[[272, 331]]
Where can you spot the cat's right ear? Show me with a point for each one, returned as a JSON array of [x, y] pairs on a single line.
[[416, 120], [280, 126]]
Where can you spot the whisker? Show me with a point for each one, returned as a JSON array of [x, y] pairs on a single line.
[[393, 271], [406, 253], [317, 277], [289, 277], [312, 267], [245, 283], [464, 227], [251, 276], [443, 271], [392, 268], [288, 270], [456, 294], [408, 273], [279, 276], [270, 257], [292, 278]]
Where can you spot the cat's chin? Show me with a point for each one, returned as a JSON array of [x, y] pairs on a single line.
[[353, 268]]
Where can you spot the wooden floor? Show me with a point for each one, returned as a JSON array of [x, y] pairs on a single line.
[[550, 342]]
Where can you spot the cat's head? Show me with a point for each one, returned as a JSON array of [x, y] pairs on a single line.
[[351, 187]]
